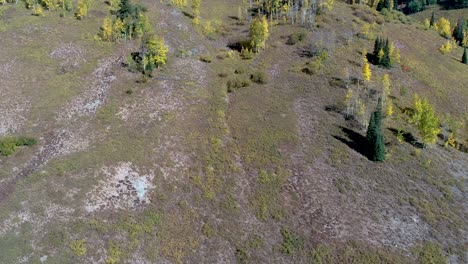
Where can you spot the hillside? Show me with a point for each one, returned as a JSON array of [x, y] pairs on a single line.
[[222, 155]]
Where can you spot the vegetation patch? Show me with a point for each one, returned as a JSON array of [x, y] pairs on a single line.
[[8, 145]]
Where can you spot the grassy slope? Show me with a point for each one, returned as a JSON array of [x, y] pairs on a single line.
[[231, 170]]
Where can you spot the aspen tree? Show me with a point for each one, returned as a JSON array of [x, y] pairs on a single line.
[[366, 72], [196, 11], [106, 29]]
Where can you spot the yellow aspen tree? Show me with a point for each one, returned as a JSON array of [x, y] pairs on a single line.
[[196, 11], [266, 31], [361, 106], [427, 23], [366, 72], [443, 27], [394, 54], [141, 26], [118, 29], [348, 101], [417, 109], [82, 9], [114, 4], [465, 38], [50, 4], [259, 33], [428, 124], [157, 50], [37, 10], [446, 47], [106, 29], [179, 3], [364, 56], [389, 110], [380, 55]]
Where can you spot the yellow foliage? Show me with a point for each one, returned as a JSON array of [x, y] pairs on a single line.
[[106, 33], [114, 4], [364, 56], [443, 27], [50, 4], [118, 28], [465, 38], [366, 72], [380, 55], [82, 9], [259, 33], [38, 11], [328, 4], [367, 30], [425, 119], [427, 23], [394, 54], [389, 111], [179, 3], [447, 47], [157, 50], [451, 141]]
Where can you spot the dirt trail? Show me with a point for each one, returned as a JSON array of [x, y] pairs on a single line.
[[69, 138]]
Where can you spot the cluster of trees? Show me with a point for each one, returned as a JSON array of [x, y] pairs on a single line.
[[385, 53], [128, 22], [152, 54], [38, 6], [295, 11]]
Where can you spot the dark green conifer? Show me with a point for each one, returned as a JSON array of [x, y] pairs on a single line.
[[432, 20], [374, 136], [386, 58], [458, 31], [465, 57]]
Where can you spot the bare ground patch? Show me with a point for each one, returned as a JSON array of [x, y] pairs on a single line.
[[123, 187]]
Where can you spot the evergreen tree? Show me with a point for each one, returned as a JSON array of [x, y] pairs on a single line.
[[465, 57], [458, 31], [377, 46], [374, 136], [386, 62], [432, 19]]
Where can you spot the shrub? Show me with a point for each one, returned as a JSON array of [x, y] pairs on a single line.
[[291, 243], [8, 145], [240, 70], [206, 58], [259, 77], [446, 47], [236, 83], [296, 38], [78, 247], [247, 54], [313, 66]]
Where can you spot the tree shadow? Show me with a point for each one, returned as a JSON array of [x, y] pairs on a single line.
[[408, 137], [188, 15], [355, 141], [237, 45]]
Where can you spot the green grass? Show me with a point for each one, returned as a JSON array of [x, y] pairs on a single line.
[[291, 242], [8, 145]]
